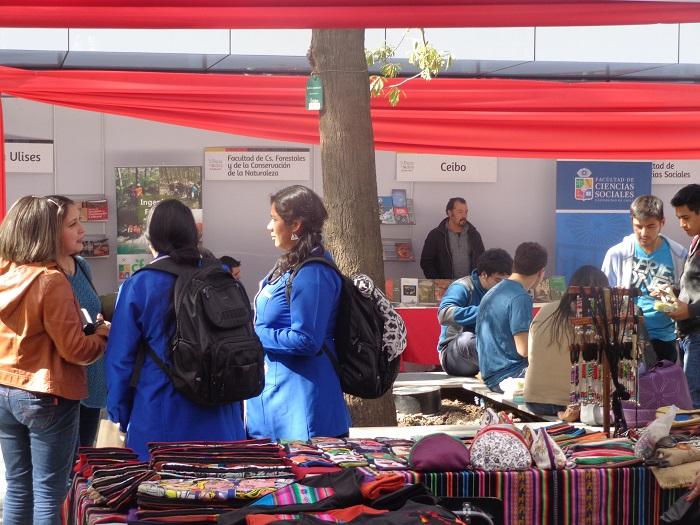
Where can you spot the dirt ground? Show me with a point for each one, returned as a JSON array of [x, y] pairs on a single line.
[[452, 412]]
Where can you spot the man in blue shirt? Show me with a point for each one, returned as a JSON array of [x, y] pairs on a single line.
[[648, 261], [504, 318], [458, 310]]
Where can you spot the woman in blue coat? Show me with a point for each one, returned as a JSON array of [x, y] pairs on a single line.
[[154, 410], [302, 397]]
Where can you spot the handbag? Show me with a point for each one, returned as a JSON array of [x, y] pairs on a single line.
[[545, 452], [439, 453], [663, 384], [500, 447]]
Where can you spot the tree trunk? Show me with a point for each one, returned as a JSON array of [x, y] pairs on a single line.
[[349, 175]]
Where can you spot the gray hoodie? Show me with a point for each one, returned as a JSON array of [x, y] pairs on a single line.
[[619, 260]]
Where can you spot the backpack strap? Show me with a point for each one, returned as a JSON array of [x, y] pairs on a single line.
[[322, 260], [164, 264], [288, 294]]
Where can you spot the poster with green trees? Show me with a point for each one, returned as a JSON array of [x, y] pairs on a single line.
[[138, 189]]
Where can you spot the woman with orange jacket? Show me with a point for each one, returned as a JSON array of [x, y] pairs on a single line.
[[43, 350]]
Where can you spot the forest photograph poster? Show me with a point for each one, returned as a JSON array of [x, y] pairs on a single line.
[[138, 189]]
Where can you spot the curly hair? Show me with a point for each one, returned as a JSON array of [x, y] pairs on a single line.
[[299, 203]]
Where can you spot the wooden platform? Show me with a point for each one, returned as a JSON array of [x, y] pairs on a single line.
[[470, 384]]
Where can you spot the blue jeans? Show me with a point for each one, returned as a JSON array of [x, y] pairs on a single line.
[[690, 345], [459, 358], [544, 409], [38, 433]]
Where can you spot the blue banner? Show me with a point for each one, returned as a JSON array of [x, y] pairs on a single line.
[[593, 200]]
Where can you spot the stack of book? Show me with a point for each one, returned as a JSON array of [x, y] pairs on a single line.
[[95, 246], [550, 289], [397, 250], [94, 210], [396, 208], [416, 291]]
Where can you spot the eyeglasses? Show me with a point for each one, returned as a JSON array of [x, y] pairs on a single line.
[[50, 200]]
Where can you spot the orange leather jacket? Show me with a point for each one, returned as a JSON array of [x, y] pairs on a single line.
[[42, 344]]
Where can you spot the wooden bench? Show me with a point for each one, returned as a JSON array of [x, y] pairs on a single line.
[[440, 379], [471, 384], [480, 390]]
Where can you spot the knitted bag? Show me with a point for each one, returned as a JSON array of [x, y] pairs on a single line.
[[500, 447]]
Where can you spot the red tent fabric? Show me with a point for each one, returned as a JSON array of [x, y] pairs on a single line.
[[226, 14], [489, 117]]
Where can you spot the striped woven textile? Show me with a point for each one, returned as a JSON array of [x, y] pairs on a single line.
[[590, 496]]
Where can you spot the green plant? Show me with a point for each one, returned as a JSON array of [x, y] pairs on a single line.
[[429, 61]]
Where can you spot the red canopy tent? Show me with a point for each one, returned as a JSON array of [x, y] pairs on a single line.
[[226, 14], [520, 118]]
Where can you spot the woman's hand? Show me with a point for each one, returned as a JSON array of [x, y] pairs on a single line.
[[102, 327]]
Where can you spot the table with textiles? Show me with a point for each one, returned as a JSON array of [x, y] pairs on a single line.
[[620, 495], [200, 482]]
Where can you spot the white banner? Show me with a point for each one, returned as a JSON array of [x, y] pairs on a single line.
[[29, 157], [675, 172], [445, 168], [257, 163]]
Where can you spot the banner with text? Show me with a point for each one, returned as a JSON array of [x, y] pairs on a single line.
[[138, 190], [676, 172], [29, 157], [593, 201], [257, 163], [445, 168]]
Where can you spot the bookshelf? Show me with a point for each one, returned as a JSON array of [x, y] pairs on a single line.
[[94, 214]]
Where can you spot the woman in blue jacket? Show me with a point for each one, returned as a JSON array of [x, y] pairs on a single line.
[[154, 410], [302, 395]]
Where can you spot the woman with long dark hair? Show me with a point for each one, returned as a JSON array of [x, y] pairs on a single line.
[[154, 410], [302, 397], [548, 376]]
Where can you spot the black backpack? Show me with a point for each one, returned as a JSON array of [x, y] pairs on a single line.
[[361, 360], [215, 357]]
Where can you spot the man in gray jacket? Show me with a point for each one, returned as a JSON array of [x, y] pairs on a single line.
[[687, 314], [648, 261]]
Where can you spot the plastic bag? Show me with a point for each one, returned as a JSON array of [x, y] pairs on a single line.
[[657, 429]]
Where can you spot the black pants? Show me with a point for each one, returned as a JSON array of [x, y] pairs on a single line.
[[667, 350], [89, 423]]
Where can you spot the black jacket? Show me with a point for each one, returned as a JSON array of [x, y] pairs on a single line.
[[436, 258], [690, 292]]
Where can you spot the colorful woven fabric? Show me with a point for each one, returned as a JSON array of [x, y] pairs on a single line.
[[620, 496], [295, 494], [211, 489]]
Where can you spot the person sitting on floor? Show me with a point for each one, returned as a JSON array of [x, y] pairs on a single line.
[[504, 317], [458, 310], [547, 380]]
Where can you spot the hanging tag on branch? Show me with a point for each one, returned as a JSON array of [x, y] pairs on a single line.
[[314, 93]]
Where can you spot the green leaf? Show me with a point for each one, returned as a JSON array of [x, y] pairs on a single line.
[[390, 70], [394, 95], [376, 85]]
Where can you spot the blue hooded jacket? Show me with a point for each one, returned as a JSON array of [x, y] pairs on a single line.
[[302, 397], [154, 410], [459, 307]]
